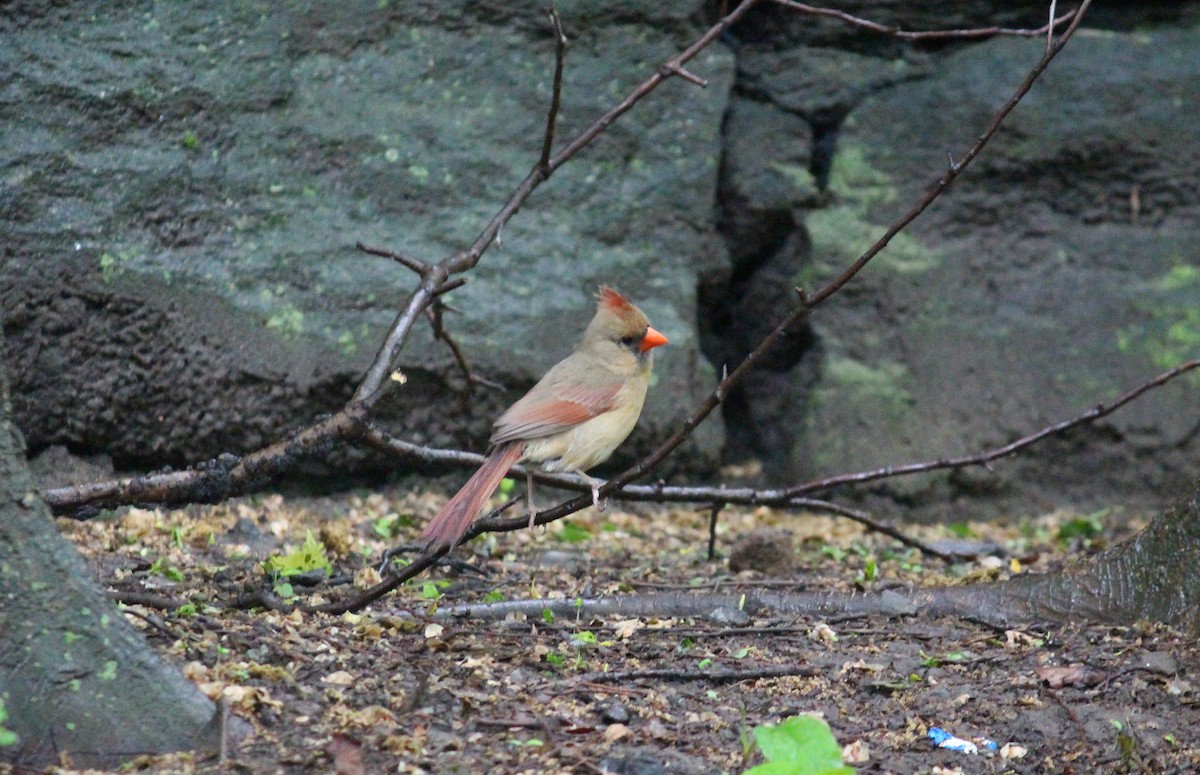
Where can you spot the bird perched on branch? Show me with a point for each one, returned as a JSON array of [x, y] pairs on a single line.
[[571, 420]]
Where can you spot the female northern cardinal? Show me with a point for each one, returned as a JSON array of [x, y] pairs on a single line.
[[571, 420]]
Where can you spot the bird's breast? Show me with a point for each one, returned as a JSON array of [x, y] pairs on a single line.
[[593, 441]]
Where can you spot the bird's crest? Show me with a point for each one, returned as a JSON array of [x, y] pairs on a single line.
[[614, 301]]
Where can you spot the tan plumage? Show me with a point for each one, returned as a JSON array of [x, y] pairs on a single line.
[[572, 419]]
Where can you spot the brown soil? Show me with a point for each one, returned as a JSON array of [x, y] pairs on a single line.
[[394, 689]]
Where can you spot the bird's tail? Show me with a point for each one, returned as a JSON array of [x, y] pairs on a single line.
[[447, 528]]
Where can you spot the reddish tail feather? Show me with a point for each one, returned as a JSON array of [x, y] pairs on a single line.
[[450, 524]]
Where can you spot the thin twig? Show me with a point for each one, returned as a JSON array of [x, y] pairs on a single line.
[[560, 52], [375, 382], [712, 529], [415, 264], [897, 32], [147, 599], [696, 674], [687, 75], [434, 313], [368, 596], [1050, 27], [983, 458]]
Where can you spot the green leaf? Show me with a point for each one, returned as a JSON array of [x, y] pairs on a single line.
[[385, 526], [430, 591], [574, 534], [495, 596], [961, 529], [547, 616], [584, 638], [801, 745], [309, 556], [834, 552], [161, 568], [792, 768], [1081, 527], [8, 738]]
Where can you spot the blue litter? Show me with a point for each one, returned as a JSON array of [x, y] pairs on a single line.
[[943, 739]]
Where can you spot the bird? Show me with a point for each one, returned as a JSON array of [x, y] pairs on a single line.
[[571, 420]]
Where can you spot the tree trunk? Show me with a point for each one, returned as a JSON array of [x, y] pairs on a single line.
[[77, 681], [1151, 577]]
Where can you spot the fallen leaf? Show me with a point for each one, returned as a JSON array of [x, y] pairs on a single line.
[[627, 627], [339, 678], [1075, 674], [823, 633], [614, 732], [249, 697], [1013, 751], [857, 752]]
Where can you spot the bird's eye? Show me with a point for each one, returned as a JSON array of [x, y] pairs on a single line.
[[628, 340]]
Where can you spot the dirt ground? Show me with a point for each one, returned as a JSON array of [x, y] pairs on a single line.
[[398, 689]]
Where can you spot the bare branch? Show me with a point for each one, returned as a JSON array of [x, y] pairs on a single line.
[[896, 32], [985, 457], [687, 75], [790, 497], [698, 674], [713, 516], [362, 600], [214, 481], [560, 51], [1050, 27], [375, 381], [435, 314], [415, 264], [716, 496]]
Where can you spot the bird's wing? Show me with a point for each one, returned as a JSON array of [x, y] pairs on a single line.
[[551, 408]]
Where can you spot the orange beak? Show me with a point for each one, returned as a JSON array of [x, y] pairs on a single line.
[[652, 339]]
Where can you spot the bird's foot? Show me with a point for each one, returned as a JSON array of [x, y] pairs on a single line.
[[596, 484], [533, 510]]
